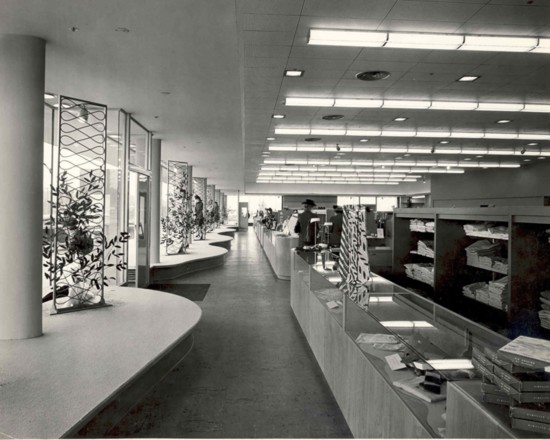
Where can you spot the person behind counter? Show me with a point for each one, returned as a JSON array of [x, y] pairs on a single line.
[[306, 230], [336, 229]]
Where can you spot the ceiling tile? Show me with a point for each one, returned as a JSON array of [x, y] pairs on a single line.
[[429, 11], [374, 9], [270, 23]]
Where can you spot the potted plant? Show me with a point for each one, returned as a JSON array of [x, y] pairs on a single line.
[[76, 251]]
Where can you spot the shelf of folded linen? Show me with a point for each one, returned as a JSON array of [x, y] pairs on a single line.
[[424, 248], [493, 293], [417, 225], [544, 312], [485, 255], [423, 272], [484, 230]]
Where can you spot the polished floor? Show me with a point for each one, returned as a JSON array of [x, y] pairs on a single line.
[[250, 374]]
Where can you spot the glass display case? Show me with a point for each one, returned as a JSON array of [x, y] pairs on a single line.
[[424, 334]]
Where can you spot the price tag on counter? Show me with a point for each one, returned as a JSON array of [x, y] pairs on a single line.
[[394, 362]]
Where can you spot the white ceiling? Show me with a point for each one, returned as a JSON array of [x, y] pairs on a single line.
[[223, 61]]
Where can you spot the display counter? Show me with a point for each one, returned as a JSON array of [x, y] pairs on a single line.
[[277, 247], [365, 387]]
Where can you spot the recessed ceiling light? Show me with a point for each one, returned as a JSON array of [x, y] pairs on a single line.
[[122, 29], [467, 158], [363, 140], [332, 117], [444, 142], [270, 139], [373, 75], [407, 155], [468, 78], [503, 121], [49, 95], [541, 158], [479, 156], [532, 144], [398, 158], [400, 119], [527, 160], [294, 73], [278, 116]]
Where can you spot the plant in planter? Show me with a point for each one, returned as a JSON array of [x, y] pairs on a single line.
[[76, 251], [178, 223]]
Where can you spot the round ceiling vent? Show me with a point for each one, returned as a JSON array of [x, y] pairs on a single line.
[[373, 75], [312, 139], [332, 117]]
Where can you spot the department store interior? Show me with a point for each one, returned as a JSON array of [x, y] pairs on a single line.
[[275, 218]]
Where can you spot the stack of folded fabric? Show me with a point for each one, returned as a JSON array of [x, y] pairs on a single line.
[[478, 253], [487, 230], [417, 225], [430, 226], [494, 293], [426, 248], [421, 271]]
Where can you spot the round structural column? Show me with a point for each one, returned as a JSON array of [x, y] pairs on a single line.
[[22, 72], [155, 200]]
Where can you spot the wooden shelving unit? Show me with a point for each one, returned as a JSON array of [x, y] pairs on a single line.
[[526, 248]]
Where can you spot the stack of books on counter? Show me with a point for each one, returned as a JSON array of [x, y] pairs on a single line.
[[515, 376], [417, 225], [421, 271]]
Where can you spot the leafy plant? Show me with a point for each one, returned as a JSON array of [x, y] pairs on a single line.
[[178, 223], [76, 251]]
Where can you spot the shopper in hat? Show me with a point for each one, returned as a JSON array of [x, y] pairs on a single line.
[[307, 231]]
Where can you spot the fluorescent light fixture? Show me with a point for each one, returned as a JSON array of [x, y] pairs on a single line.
[[424, 41], [406, 324], [433, 134], [330, 37], [329, 132], [421, 40], [399, 133], [278, 116], [281, 148], [467, 134], [363, 132], [358, 103], [419, 150], [310, 102], [310, 148], [294, 73], [537, 137], [540, 108], [468, 78], [451, 364], [509, 165], [495, 152], [453, 105], [394, 103], [499, 44], [501, 135], [393, 150], [295, 131], [500, 106], [444, 150], [270, 139]]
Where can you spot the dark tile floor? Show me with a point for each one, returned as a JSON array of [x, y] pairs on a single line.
[[250, 374]]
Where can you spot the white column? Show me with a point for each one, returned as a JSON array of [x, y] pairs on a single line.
[[22, 72], [155, 200]]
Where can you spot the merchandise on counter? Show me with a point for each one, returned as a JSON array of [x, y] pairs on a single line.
[[530, 425], [539, 412], [526, 351], [414, 387], [376, 338]]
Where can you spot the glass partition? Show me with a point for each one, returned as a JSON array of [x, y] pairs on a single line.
[[139, 145]]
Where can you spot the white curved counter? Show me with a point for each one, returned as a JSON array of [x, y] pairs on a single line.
[[52, 385]]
